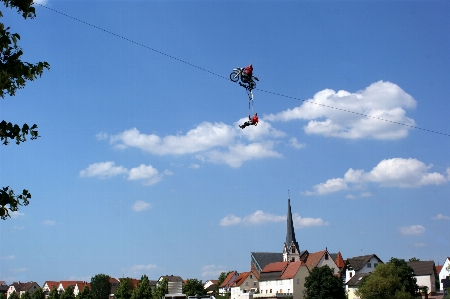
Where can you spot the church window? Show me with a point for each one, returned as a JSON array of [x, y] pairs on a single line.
[[293, 259], [293, 249]]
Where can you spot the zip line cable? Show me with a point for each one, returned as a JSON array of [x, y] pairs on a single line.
[[228, 79]]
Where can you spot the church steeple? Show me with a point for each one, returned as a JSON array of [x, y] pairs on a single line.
[[291, 251]]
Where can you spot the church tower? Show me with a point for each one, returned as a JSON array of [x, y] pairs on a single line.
[[291, 250]]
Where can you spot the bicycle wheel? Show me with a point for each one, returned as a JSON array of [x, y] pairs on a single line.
[[234, 76]]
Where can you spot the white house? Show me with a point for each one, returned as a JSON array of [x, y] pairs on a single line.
[[445, 271], [361, 264], [425, 273], [245, 283], [352, 285], [21, 287]]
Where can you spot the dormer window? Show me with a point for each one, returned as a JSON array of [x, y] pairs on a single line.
[[293, 249]]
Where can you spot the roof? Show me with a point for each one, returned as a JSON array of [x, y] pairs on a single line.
[[23, 286], [228, 279], [290, 234], [262, 259], [337, 258], [172, 278], [275, 267], [422, 267], [51, 284], [356, 279], [112, 280], [82, 284], [358, 262], [438, 269], [314, 259], [291, 270], [240, 279], [72, 283]]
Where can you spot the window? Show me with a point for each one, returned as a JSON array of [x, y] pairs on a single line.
[[298, 281], [246, 283], [369, 265], [281, 291], [271, 291], [351, 274], [326, 256], [293, 259], [251, 276], [254, 283], [293, 249]]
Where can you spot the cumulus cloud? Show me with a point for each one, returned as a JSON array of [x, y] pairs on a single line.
[[413, 230], [208, 142], [140, 206], [441, 217], [260, 217], [293, 142], [328, 113], [147, 173], [103, 170], [396, 172], [212, 270], [48, 222], [101, 136]]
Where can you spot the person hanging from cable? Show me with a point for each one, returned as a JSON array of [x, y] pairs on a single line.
[[247, 78], [251, 121]]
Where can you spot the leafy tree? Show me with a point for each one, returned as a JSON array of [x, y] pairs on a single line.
[[68, 293], [25, 295], [85, 294], [13, 75], [2, 296], [414, 259], [13, 296], [53, 294], [193, 287], [393, 280], [322, 284], [100, 286], [161, 289], [125, 289], [38, 294], [143, 289]]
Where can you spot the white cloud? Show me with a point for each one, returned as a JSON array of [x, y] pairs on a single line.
[[212, 271], [396, 172], [240, 153], [293, 142], [194, 166], [103, 170], [8, 257], [101, 136], [19, 270], [140, 206], [328, 113], [259, 217], [300, 222], [43, 2], [48, 222], [147, 173], [16, 214], [441, 217], [413, 230], [210, 142]]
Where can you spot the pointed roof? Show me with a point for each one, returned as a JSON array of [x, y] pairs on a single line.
[[339, 260], [358, 262], [240, 279], [275, 267], [290, 234], [228, 280], [314, 259], [291, 270]]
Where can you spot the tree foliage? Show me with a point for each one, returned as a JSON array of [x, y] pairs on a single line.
[[193, 287], [13, 296], [14, 73], [161, 289], [143, 289], [100, 286], [322, 284], [125, 289], [68, 293], [38, 294], [393, 280], [85, 294], [26, 295], [53, 294]]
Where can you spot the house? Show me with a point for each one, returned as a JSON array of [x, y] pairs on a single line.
[[319, 259], [21, 287], [48, 286], [245, 283], [3, 287], [352, 285], [360, 264], [425, 273], [224, 288], [339, 261], [175, 283], [79, 287], [210, 286], [75, 284], [445, 271], [114, 285], [283, 279]]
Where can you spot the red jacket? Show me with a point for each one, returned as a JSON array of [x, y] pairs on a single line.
[[249, 70], [255, 119]]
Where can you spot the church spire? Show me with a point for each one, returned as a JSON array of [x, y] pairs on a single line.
[[290, 234]]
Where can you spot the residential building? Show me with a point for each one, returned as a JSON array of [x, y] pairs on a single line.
[[48, 286], [352, 285], [425, 273], [79, 287], [22, 287], [3, 287], [444, 273], [319, 259], [245, 283], [360, 264], [225, 287], [210, 286]]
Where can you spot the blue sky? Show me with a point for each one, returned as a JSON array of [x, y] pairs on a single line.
[[141, 167]]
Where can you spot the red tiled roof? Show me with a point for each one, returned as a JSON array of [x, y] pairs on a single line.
[[113, 280], [52, 284], [227, 279], [292, 269], [240, 279], [66, 283], [82, 284], [135, 282], [339, 260], [275, 267], [314, 259], [438, 269]]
